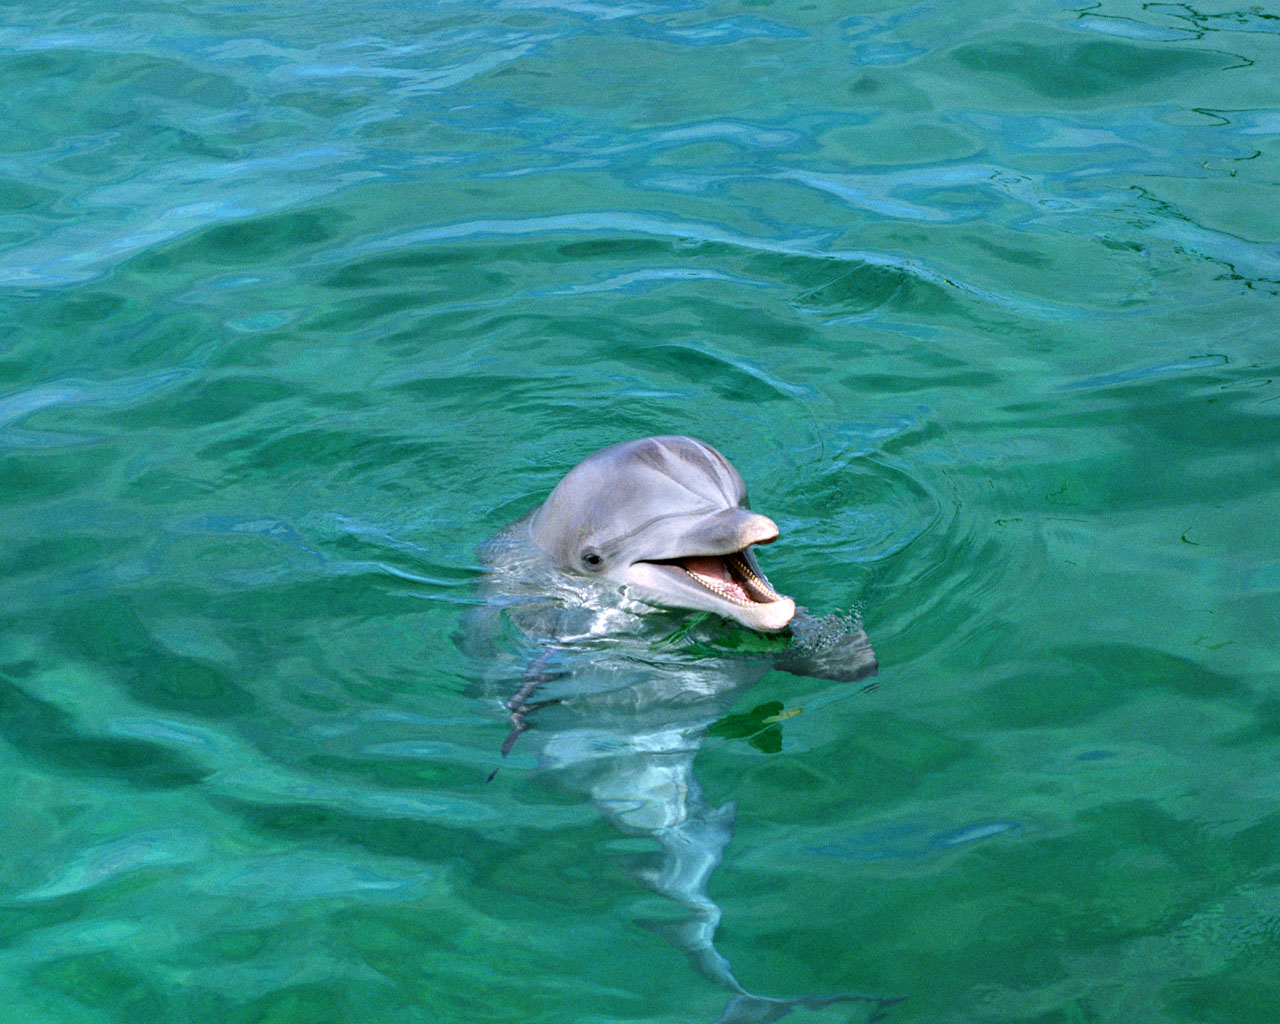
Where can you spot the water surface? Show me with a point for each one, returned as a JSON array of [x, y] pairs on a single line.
[[300, 303]]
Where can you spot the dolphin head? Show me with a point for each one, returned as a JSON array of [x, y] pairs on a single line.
[[665, 519]]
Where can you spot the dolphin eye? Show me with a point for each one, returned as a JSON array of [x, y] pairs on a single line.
[[591, 559]]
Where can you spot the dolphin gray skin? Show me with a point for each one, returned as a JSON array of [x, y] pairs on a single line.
[[616, 671]]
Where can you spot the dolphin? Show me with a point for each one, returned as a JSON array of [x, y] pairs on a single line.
[[622, 586]]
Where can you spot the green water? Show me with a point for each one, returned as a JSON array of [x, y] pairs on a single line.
[[299, 303]]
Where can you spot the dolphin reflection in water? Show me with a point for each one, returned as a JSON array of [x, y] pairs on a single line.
[[618, 592]]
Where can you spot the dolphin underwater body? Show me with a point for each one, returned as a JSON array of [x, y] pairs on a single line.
[[615, 669]]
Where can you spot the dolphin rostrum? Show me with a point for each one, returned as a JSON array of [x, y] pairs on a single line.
[[617, 671]]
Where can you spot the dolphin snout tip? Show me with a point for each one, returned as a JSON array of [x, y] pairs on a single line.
[[759, 530]]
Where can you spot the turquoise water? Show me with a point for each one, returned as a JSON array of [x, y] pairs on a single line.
[[300, 303]]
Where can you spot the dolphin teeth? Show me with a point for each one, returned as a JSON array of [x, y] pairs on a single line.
[[718, 589], [754, 589], [740, 563]]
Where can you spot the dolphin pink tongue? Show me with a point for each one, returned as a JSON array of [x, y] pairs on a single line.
[[713, 567]]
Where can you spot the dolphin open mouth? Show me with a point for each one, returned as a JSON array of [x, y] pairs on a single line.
[[729, 576], [730, 584]]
